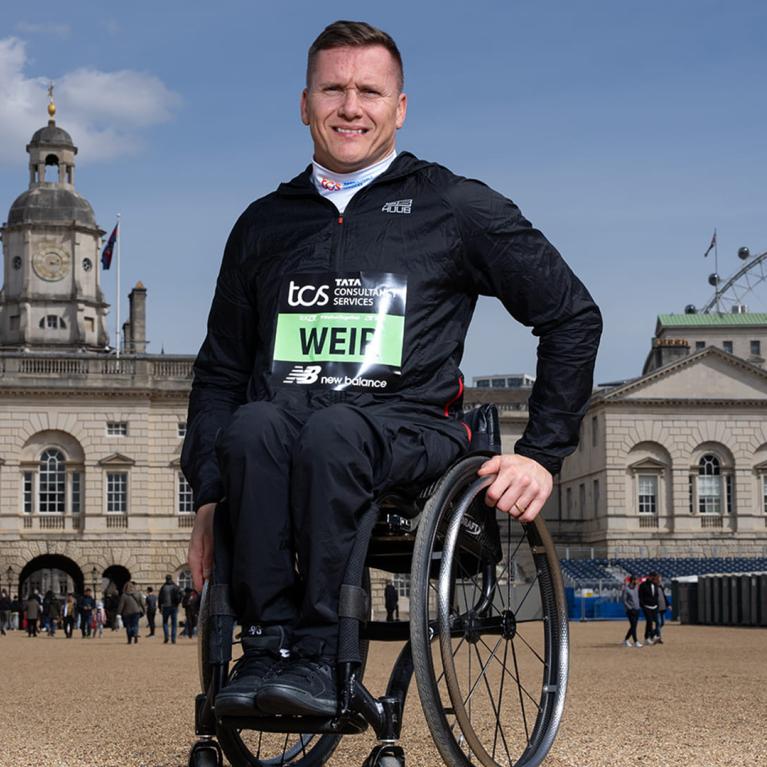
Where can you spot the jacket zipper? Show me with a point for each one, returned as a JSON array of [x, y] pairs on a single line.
[[338, 242]]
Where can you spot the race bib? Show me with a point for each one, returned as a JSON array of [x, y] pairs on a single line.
[[340, 331]]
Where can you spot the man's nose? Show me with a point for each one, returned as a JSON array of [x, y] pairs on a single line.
[[350, 106]]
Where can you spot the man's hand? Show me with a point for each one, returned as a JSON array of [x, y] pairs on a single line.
[[521, 487], [200, 554]]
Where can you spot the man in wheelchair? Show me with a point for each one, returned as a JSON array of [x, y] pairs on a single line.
[[329, 372]]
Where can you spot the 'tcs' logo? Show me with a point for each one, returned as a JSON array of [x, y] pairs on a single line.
[[308, 295]]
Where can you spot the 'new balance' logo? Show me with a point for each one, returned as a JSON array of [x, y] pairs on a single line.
[[303, 375], [398, 206]]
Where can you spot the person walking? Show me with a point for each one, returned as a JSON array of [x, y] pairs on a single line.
[[391, 602], [648, 601], [631, 605], [87, 603], [52, 613], [5, 611], [151, 610], [169, 599], [99, 619], [131, 608], [190, 602], [662, 607], [33, 608], [70, 613], [15, 612]]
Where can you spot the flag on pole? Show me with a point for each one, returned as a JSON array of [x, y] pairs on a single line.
[[712, 245], [106, 254]]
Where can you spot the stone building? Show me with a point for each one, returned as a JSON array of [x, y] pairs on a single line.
[[674, 463], [90, 485]]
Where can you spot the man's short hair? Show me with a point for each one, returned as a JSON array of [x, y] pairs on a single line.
[[353, 34]]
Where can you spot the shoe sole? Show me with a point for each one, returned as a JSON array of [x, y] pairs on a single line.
[[236, 704], [278, 699]]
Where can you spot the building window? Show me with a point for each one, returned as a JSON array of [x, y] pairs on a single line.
[[569, 502], [483, 383], [709, 485], [700, 345], [53, 322], [28, 485], [401, 582], [727, 346], [764, 493], [594, 431], [498, 383], [76, 492], [117, 493], [52, 482], [185, 497], [756, 348], [582, 500], [13, 322], [181, 429], [647, 493], [117, 429], [595, 493]]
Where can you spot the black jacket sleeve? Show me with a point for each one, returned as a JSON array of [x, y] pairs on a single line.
[[222, 369], [504, 256]]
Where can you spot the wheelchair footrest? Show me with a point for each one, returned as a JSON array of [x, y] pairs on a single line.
[[352, 724]]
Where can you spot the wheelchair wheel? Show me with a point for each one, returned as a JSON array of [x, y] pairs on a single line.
[[493, 685]]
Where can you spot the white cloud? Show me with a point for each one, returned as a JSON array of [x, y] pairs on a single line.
[[103, 111]]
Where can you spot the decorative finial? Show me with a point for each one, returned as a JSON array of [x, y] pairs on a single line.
[[51, 104]]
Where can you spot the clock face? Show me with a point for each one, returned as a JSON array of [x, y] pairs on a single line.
[[50, 264]]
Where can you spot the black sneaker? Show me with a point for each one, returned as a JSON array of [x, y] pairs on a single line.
[[238, 698], [301, 688]]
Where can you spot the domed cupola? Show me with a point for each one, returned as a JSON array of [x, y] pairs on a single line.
[[51, 297]]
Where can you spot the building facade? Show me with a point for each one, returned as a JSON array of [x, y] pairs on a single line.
[[91, 489]]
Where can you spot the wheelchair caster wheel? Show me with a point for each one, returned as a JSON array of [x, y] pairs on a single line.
[[206, 753], [386, 756]]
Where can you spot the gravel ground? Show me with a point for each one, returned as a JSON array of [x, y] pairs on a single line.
[[697, 701]]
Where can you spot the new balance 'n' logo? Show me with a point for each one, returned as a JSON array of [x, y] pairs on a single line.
[[398, 206], [303, 375]]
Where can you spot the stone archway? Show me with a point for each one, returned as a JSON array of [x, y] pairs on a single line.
[[51, 571], [117, 575]]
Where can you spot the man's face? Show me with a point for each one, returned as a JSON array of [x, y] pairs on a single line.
[[353, 106]]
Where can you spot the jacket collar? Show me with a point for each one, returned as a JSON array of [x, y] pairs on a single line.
[[404, 164]]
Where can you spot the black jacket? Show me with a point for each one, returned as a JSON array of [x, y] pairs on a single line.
[[648, 595], [454, 239]]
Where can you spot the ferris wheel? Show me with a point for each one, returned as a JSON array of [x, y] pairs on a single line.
[[742, 292]]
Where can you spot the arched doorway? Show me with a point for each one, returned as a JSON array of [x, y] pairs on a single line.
[[115, 576], [51, 571]]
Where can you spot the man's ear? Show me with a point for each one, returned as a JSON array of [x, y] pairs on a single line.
[[305, 107], [401, 110]]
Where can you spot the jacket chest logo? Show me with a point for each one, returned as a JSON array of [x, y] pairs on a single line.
[[397, 206]]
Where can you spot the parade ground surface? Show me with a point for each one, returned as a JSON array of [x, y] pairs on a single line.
[[699, 700]]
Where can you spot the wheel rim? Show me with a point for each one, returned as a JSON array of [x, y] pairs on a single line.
[[499, 668]]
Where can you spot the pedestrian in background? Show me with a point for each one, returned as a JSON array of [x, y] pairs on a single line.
[[99, 619], [662, 607], [87, 603], [131, 608], [52, 613], [391, 601], [648, 600], [630, 598], [169, 599], [5, 611], [151, 609], [34, 608], [15, 612], [190, 602], [70, 613]]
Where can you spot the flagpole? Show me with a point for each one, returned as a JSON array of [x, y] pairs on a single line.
[[716, 268], [117, 329]]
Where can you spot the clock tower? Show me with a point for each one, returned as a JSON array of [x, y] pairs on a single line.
[[51, 298]]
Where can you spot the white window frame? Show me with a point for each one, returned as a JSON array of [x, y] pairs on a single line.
[[184, 495], [30, 496], [117, 428], [655, 477], [181, 429], [108, 473]]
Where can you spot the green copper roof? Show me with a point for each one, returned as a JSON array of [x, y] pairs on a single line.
[[711, 320]]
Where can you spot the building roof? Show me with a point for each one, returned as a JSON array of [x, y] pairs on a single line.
[[711, 320], [44, 205], [52, 135]]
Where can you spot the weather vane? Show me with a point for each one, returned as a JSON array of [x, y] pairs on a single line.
[[51, 105]]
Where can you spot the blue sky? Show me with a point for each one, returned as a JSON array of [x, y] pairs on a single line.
[[626, 132]]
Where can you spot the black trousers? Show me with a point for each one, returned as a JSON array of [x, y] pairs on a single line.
[[633, 616], [297, 479], [651, 617]]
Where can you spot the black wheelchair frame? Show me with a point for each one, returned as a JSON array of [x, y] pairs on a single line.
[[463, 560]]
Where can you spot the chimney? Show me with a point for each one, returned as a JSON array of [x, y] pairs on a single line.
[[665, 351], [136, 342]]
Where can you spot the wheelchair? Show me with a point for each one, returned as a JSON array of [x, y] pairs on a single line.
[[487, 638]]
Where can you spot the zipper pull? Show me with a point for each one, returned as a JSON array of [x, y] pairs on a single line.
[[340, 219]]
